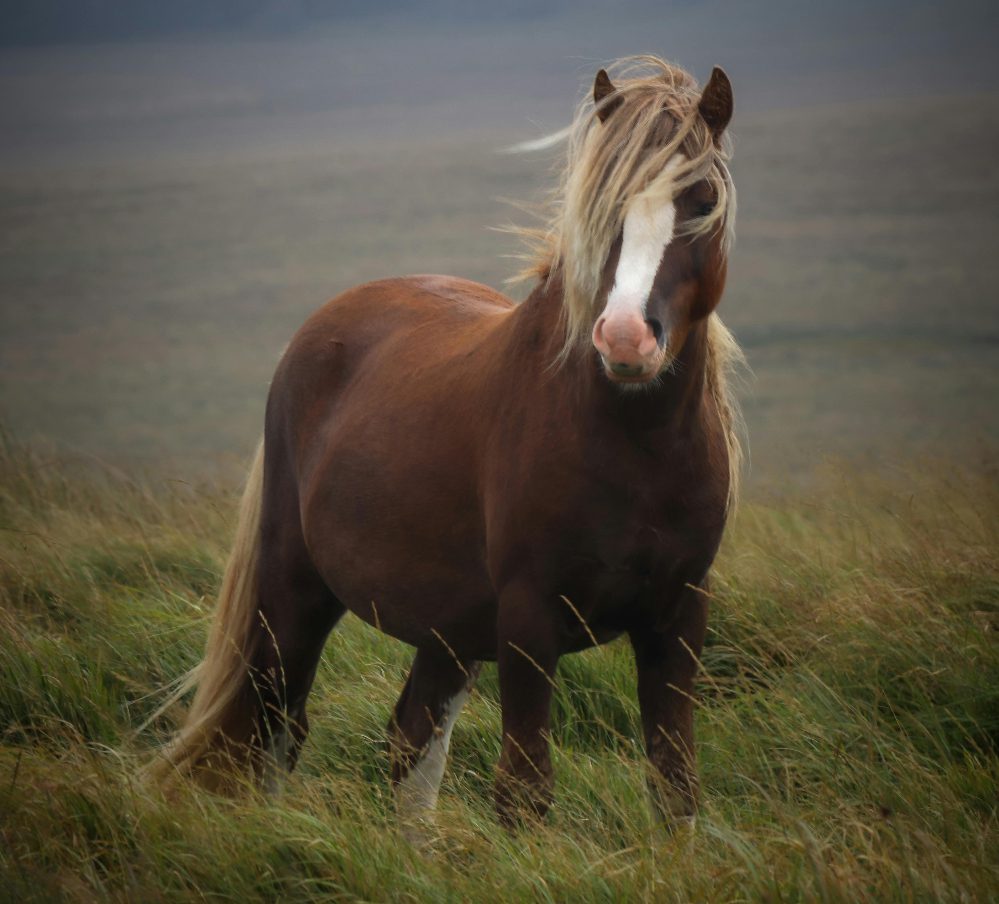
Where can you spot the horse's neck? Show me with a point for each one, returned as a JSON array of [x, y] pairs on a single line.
[[674, 402]]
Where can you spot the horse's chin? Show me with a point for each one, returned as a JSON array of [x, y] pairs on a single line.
[[632, 384], [646, 378]]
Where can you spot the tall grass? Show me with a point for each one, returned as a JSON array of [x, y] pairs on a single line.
[[848, 726]]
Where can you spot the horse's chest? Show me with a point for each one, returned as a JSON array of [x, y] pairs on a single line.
[[616, 529], [627, 567], [639, 557], [642, 527]]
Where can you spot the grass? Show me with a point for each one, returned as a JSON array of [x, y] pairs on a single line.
[[848, 726]]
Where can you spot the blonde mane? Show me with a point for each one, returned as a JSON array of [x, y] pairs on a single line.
[[608, 166]]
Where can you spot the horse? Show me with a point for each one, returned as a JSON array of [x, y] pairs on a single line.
[[491, 481]]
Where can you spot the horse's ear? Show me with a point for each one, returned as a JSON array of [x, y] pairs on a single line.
[[715, 105], [603, 88]]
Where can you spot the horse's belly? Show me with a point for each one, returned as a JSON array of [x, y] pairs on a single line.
[[396, 534], [418, 599]]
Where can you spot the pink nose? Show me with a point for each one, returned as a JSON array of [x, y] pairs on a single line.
[[626, 343]]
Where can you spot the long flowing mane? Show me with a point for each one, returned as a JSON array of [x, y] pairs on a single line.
[[608, 166]]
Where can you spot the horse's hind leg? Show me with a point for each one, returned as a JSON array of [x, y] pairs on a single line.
[[297, 611], [420, 732]]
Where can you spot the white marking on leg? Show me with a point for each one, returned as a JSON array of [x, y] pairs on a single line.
[[416, 793], [275, 763]]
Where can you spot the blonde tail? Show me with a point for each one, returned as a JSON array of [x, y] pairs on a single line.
[[221, 722]]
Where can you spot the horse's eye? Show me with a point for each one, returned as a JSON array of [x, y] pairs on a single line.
[[704, 208]]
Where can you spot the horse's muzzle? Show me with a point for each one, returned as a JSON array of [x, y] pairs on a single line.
[[628, 347]]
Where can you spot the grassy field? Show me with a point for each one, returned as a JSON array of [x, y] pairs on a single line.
[[848, 725]]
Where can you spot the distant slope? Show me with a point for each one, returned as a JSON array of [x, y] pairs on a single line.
[[144, 298]]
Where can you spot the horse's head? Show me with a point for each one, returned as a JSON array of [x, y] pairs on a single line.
[[665, 269]]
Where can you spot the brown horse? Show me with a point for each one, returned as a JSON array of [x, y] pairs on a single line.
[[490, 481]]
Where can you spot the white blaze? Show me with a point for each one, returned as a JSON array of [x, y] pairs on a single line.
[[648, 230]]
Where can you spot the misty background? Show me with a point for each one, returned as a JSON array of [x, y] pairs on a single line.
[[181, 184]]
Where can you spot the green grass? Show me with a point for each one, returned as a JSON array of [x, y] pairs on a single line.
[[848, 726]]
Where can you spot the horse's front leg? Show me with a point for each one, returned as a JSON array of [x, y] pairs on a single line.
[[667, 659], [527, 657]]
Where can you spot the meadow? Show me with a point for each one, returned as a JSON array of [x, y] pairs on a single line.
[[848, 719]]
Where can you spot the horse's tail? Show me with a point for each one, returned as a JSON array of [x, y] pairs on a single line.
[[218, 732]]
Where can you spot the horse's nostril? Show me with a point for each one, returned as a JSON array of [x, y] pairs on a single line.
[[657, 329]]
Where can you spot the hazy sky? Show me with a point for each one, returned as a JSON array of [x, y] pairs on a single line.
[[141, 77], [889, 21]]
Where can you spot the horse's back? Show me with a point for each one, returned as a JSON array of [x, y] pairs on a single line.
[[375, 312]]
